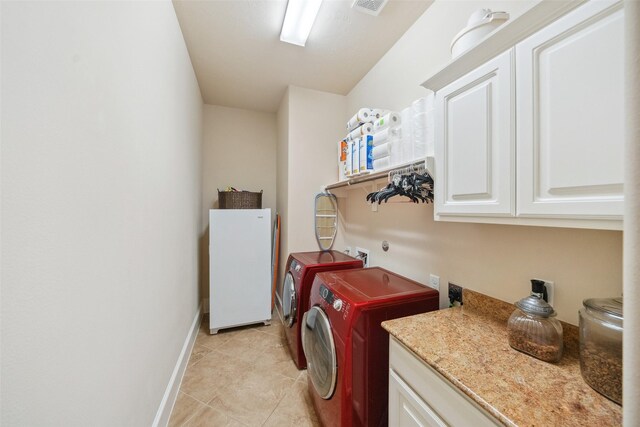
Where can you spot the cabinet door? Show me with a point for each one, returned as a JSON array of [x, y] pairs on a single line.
[[420, 396], [570, 86], [475, 142], [406, 408]]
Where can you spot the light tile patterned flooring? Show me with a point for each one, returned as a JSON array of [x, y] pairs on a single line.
[[243, 377]]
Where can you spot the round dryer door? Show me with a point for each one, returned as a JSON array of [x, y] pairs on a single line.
[[320, 351], [289, 300]]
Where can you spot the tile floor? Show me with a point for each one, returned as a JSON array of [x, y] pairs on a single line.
[[243, 377]]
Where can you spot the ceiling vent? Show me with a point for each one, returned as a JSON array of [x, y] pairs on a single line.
[[370, 7]]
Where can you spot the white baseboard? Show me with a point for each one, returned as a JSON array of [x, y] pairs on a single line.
[[171, 392]]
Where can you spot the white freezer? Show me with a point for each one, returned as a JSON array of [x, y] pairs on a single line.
[[239, 267]]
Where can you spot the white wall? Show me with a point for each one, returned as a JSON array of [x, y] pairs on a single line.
[[394, 82], [631, 372], [239, 150], [101, 139], [282, 180], [315, 127], [495, 260], [310, 124]]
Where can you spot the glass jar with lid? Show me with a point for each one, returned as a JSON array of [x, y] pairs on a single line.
[[601, 346], [532, 328]]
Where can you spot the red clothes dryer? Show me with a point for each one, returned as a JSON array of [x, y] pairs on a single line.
[[347, 350], [292, 295]]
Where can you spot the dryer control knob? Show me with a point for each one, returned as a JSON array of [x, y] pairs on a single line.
[[337, 304]]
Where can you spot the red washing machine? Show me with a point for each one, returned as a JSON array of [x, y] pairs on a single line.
[[346, 348], [292, 295]]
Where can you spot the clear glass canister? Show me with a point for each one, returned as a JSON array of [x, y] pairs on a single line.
[[601, 346], [533, 329]]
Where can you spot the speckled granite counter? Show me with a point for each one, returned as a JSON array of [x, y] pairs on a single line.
[[468, 345]]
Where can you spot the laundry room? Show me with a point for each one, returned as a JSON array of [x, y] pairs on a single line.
[[319, 212]]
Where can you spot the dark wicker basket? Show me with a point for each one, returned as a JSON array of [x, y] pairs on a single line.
[[239, 200]]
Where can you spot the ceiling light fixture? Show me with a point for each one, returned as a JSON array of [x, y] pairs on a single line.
[[298, 20]]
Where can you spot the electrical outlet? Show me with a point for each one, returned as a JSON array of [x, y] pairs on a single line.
[[455, 294], [363, 254], [434, 281], [550, 290]]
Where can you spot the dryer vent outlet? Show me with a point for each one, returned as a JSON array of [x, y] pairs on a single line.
[[363, 254], [370, 7]]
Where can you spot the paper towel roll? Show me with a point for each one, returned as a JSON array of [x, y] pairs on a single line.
[[407, 136], [362, 116], [419, 105], [431, 123], [381, 151], [431, 133], [422, 126], [419, 135], [382, 163], [385, 135], [381, 137], [376, 113], [395, 157], [417, 117], [388, 120], [365, 129]]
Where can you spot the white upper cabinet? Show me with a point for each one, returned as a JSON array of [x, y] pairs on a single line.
[[475, 142], [570, 104], [535, 136]]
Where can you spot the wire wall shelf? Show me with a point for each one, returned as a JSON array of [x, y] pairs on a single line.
[[418, 166]]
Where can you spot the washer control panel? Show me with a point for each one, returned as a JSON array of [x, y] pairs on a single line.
[[331, 299], [326, 294]]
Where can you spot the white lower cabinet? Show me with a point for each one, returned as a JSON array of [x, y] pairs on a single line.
[[406, 408], [419, 396]]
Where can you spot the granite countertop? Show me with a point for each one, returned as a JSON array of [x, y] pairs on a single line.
[[468, 345]]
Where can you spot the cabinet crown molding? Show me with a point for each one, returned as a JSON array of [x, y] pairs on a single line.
[[503, 38]]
